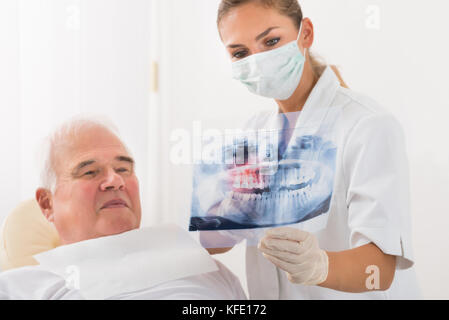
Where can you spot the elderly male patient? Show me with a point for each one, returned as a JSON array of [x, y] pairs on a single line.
[[89, 192]]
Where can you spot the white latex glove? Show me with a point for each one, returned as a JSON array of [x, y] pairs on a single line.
[[297, 253]]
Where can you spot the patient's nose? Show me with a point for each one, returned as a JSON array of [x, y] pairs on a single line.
[[113, 181]]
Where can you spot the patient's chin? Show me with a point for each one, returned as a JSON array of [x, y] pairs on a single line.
[[116, 223]]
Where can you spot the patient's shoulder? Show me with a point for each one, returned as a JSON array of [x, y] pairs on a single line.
[[34, 283]]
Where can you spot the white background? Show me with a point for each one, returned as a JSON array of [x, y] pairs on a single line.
[[62, 57]]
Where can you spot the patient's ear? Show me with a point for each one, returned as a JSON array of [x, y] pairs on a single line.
[[45, 201]]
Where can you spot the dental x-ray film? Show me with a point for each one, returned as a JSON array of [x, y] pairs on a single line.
[[252, 180]]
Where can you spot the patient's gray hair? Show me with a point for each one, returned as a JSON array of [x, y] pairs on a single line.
[[60, 137]]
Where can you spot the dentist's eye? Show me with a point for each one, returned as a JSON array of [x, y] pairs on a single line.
[[240, 54], [90, 173], [272, 42], [122, 170]]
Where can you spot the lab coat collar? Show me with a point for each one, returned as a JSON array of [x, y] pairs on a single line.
[[317, 104], [320, 98]]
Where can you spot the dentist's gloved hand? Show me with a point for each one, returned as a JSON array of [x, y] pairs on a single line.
[[297, 253]]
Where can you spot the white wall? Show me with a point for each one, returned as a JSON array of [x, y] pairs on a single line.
[[394, 51], [9, 106]]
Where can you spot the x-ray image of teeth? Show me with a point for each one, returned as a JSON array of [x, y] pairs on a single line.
[[263, 188]]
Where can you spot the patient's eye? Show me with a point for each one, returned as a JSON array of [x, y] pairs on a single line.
[[125, 168], [90, 173], [122, 170]]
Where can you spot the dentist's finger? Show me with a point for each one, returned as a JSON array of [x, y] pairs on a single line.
[[281, 245], [288, 233], [286, 266], [282, 255]]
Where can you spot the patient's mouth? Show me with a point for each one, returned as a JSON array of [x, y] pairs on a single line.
[[113, 204]]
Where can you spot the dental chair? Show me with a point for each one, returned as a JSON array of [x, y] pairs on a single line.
[[25, 233]]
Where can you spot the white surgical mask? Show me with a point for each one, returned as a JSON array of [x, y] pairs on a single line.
[[273, 74]]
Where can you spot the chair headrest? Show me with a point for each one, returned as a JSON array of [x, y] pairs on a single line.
[[25, 233]]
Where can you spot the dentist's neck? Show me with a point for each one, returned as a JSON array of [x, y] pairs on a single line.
[[297, 101]]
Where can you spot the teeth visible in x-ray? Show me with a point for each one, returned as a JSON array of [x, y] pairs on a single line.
[[287, 177], [290, 194]]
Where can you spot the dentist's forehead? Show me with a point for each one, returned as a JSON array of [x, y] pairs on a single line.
[[256, 19]]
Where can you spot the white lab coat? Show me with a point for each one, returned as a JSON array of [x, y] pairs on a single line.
[[370, 201], [36, 283]]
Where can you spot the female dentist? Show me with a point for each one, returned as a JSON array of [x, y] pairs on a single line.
[[365, 250]]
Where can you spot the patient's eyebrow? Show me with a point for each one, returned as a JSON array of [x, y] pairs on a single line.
[[87, 163], [125, 159], [82, 165]]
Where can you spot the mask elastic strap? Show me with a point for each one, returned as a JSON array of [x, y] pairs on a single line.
[[299, 35]]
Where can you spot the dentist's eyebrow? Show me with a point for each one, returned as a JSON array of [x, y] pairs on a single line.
[[263, 34], [233, 46], [260, 36], [82, 165]]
